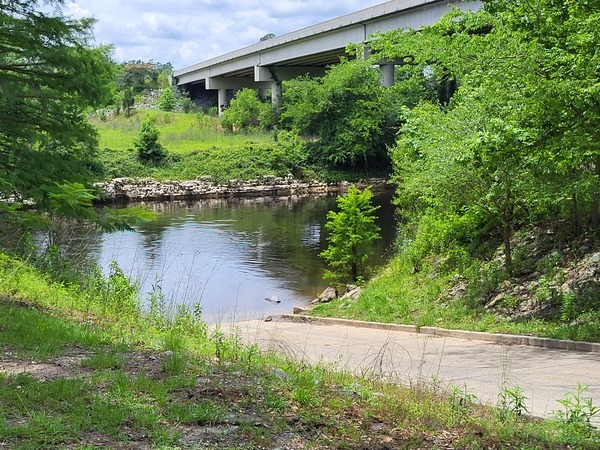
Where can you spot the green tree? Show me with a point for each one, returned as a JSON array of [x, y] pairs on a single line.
[[352, 231], [517, 142], [247, 112], [347, 111], [140, 76], [49, 75], [147, 145], [167, 100]]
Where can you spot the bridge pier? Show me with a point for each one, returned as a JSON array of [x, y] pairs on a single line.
[[387, 74], [223, 101], [276, 95]]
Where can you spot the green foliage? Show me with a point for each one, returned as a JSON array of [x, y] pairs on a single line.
[[49, 74], [198, 146], [575, 420], [290, 154], [71, 201], [514, 143], [578, 410], [175, 360], [513, 400], [167, 100], [187, 105], [148, 148], [440, 238], [139, 76], [247, 112], [347, 111], [352, 230], [462, 400]]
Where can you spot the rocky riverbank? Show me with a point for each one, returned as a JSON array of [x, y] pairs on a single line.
[[133, 189]]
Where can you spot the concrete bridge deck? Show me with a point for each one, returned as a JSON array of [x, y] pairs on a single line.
[[310, 50]]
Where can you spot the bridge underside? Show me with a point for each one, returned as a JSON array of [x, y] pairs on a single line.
[[309, 51]]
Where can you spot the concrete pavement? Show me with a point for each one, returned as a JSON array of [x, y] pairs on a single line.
[[483, 368]]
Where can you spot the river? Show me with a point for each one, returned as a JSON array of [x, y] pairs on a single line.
[[229, 255]]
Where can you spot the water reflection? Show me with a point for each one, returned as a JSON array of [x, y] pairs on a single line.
[[230, 254]]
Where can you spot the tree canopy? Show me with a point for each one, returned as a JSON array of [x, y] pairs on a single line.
[[519, 140], [49, 74], [347, 111]]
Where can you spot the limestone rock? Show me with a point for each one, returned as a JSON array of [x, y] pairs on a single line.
[[328, 294], [300, 309]]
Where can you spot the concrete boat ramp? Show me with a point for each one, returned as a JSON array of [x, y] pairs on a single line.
[[480, 367]]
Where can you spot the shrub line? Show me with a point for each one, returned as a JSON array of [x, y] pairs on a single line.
[[496, 338]]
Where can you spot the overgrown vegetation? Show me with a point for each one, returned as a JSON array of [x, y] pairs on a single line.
[[108, 374], [247, 112], [509, 161], [49, 75]]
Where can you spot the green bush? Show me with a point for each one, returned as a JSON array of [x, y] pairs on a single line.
[[146, 144], [440, 236], [167, 100], [352, 232], [247, 112]]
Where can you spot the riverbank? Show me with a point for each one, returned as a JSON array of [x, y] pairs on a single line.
[[84, 367], [140, 189]]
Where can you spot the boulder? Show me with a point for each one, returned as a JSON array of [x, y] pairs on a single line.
[[328, 294], [352, 292]]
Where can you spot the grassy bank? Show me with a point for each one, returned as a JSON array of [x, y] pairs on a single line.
[[197, 146], [181, 133], [84, 367], [550, 292]]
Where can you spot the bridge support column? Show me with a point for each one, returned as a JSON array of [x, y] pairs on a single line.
[[222, 101], [387, 74], [276, 93]]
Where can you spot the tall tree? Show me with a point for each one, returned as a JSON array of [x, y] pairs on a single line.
[[521, 135], [49, 74]]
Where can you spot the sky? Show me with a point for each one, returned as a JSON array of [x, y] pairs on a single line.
[[185, 32]]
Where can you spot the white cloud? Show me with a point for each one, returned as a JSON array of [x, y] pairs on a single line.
[[72, 9], [185, 32]]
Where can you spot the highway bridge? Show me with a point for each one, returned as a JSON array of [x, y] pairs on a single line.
[[311, 50]]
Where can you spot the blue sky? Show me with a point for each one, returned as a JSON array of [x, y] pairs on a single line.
[[185, 32]]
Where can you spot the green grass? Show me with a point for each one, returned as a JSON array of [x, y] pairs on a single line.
[[180, 133], [30, 333], [128, 396], [196, 146], [399, 295]]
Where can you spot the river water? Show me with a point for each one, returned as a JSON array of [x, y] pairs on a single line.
[[229, 255]]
